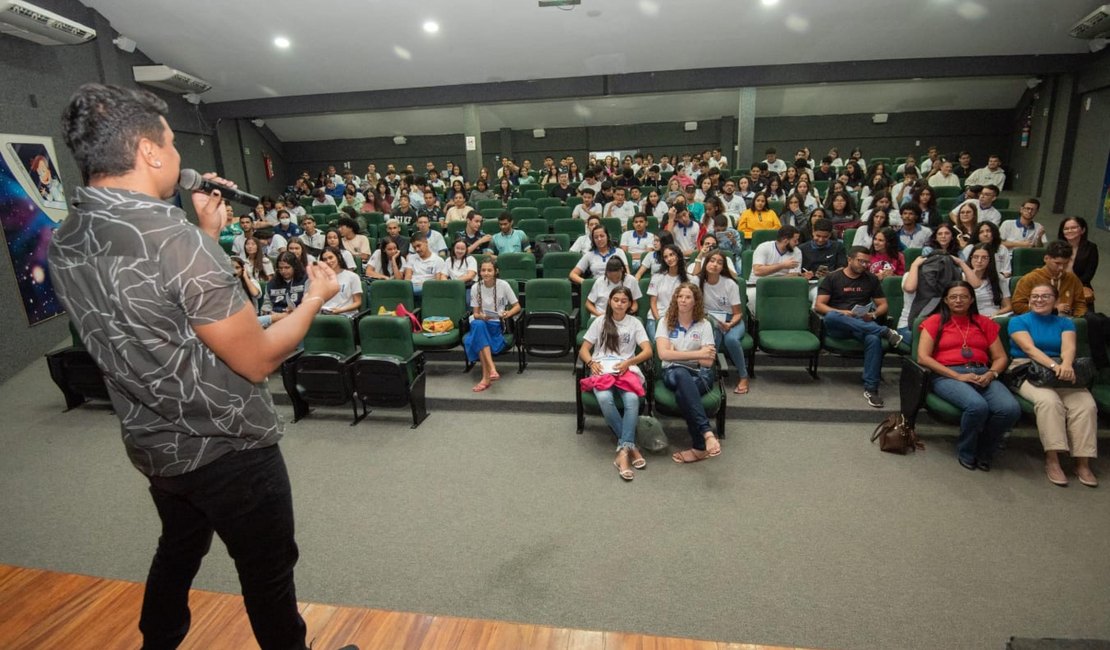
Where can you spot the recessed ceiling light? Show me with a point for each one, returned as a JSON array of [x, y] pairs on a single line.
[[770, 3], [282, 42], [431, 27]]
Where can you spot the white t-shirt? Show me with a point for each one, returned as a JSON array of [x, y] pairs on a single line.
[[596, 262], [455, 271], [1013, 230], [375, 262], [984, 299], [662, 286], [686, 237], [779, 166], [580, 211], [436, 243], [699, 335], [768, 253], [481, 295], [599, 293], [637, 244], [623, 212], [425, 269], [735, 206], [582, 244], [631, 332], [349, 285], [719, 298]]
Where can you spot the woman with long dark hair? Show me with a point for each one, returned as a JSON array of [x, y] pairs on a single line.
[[944, 240], [721, 296], [612, 348], [886, 259], [992, 296], [963, 350], [664, 282], [493, 301], [287, 288], [1084, 253]]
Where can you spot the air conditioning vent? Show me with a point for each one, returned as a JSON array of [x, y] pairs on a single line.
[[24, 20], [167, 78], [1094, 25]]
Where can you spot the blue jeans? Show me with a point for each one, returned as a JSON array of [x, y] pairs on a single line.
[[987, 413], [688, 386], [623, 426], [245, 498], [650, 324], [731, 343], [870, 334]]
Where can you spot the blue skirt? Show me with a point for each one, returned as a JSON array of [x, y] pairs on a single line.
[[483, 334]]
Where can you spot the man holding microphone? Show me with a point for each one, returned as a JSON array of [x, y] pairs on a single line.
[[185, 361]]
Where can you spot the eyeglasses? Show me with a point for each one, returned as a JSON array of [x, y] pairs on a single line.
[[959, 297], [1040, 296]]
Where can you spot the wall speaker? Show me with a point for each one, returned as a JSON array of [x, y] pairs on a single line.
[[690, 126], [400, 140]]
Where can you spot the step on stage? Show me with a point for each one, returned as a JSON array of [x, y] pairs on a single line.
[[46, 609]]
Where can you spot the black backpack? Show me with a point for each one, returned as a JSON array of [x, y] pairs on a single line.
[[543, 245]]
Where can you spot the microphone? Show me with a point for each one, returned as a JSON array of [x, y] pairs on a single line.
[[191, 181]]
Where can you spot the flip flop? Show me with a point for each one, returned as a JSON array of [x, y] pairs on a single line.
[[687, 456], [741, 390], [480, 386], [626, 474], [493, 376], [639, 462]]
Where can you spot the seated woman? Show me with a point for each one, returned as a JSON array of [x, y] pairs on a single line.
[[493, 301], [709, 243], [841, 213], [686, 349], [332, 239], [386, 263], [722, 303], [285, 291], [653, 262], [965, 221], [992, 294], [251, 287], [595, 259], [616, 275], [348, 300], [758, 217], [876, 221], [259, 267], [962, 348], [611, 349], [886, 259], [663, 284], [460, 265], [296, 247], [987, 233], [1084, 254], [1066, 417]]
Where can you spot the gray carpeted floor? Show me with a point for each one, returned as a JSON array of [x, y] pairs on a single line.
[[800, 533]]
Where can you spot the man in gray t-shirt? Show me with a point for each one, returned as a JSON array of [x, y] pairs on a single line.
[[185, 361]]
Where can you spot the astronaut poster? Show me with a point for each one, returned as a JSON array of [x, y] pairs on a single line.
[[32, 204]]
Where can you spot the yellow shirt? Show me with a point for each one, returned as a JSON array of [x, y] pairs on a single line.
[[751, 220]]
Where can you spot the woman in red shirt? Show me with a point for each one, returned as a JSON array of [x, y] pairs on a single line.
[[963, 350]]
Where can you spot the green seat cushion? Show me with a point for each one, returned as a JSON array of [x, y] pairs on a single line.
[[747, 343], [788, 341], [1101, 393], [1026, 406], [667, 402], [440, 341], [941, 409]]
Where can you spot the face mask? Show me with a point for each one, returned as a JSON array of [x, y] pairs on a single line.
[[284, 222]]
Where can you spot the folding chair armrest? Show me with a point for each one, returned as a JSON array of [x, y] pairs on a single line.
[[816, 324]]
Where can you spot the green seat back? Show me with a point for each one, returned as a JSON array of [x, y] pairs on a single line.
[[553, 213], [573, 201], [821, 187], [532, 227], [613, 227], [783, 303], [559, 265], [763, 235], [776, 206], [306, 202], [374, 218], [330, 334], [520, 214], [491, 226], [517, 266], [386, 335], [652, 225], [948, 191], [444, 298], [519, 203], [1009, 215], [533, 195], [892, 289], [945, 205], [911, 254], [1001, 204], [746, 265], [849, 237], [549, 295], [572, 228], [321, 209], [387, 293], [643, 307], [493, 206], [1026, 260], [546, 202], [584, 315]]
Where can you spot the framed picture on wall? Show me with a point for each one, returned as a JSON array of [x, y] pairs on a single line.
[[32, 204]]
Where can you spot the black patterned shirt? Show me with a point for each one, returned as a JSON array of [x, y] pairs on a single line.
[[136, 277]]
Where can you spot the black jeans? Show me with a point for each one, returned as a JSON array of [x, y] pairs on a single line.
[[245, 498]]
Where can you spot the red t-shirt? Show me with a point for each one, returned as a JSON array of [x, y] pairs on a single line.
[[979, 339]]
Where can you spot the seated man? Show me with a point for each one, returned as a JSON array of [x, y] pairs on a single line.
[[945, 176], [1069, 288], [734, 203], [851, 300], [508, 240], [392, 233], [322, 198], [436, 243], [563, 190], [587, 208], [992, 174], [822, 254], [431, 209], [404, 213], [986, 196], [422, 265], [777, 258], [729, 239], [684, 231], [311, 236], [1024, 232], [246, 229], [825, 171], [912, 234], [637, 242], [774, 163], [620, 208], [476, 240]]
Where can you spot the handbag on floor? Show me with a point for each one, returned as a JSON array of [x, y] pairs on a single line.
[[650, 435], [896, 436]]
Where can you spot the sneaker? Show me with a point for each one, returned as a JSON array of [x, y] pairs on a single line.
[[874, 398], [894, 337]]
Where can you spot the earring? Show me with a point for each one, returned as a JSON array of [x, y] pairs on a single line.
[[158, 163]]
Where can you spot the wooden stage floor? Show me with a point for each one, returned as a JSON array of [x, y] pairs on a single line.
[[46, 609]]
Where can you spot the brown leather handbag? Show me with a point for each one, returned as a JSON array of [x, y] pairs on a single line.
[[896, 436]]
